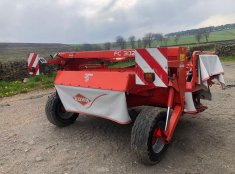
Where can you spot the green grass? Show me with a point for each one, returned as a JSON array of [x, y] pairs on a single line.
[[228, 59], [190, 39], [16, 87], [125, 64]]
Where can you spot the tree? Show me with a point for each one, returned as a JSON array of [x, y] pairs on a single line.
[[96, 47], [121, 42], [206, 35], [177, 37], [145, 42], [107, 46], [158, 37], [165, 39], [139, 43], [86, 47], [148, 38], [132, 41], [198, 36]]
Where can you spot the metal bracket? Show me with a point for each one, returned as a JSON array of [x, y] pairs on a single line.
[[42, 60]]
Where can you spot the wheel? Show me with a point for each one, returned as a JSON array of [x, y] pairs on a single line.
[[146, 136], [56, 113]]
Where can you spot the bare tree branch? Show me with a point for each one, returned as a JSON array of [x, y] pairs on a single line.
[[132, 41], [121, 42]]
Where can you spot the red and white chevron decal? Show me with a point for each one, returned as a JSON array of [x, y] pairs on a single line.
[[151, 60], [33, 63]]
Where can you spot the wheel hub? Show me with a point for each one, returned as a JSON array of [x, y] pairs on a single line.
[[158, 141], [63, 113]]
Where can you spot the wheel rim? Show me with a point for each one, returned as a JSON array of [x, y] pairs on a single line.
[[62, 112], [157, 142]]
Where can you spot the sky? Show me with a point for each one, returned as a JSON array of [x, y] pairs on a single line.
[[98, 21]]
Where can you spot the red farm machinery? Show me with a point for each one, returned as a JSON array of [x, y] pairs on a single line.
[[153, 93]]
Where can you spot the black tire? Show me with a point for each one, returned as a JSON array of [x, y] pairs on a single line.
[[133, 113], [148, 151], [56, 113]]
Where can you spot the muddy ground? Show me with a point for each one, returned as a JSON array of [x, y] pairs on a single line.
[[30, 144]]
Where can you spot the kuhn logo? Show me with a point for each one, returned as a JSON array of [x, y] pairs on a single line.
[[84, 101], [81, 99]]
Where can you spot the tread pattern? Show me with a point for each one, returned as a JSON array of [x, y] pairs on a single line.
[[141, 134]]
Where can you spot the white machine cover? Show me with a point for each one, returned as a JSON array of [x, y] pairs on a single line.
[[101, 103], [189, 104], [210, 65]]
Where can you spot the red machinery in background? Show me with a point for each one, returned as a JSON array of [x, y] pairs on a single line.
[[165, 80]]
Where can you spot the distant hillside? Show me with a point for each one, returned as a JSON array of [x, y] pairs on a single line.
[[18, 51], [205, 29], [217, 36]]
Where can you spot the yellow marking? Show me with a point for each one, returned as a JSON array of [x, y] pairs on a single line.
[[182, 57]]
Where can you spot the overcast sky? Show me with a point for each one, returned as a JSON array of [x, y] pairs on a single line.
[[95, 21]]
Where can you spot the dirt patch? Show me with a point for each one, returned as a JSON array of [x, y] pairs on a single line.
[[30, 144]]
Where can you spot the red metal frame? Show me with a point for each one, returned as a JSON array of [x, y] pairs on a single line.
[[109, 55], [76, 64]]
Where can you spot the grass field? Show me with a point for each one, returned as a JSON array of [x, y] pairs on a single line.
[[214, 37], [11, 52], [123, 64], [228, 59], [15, 87]]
